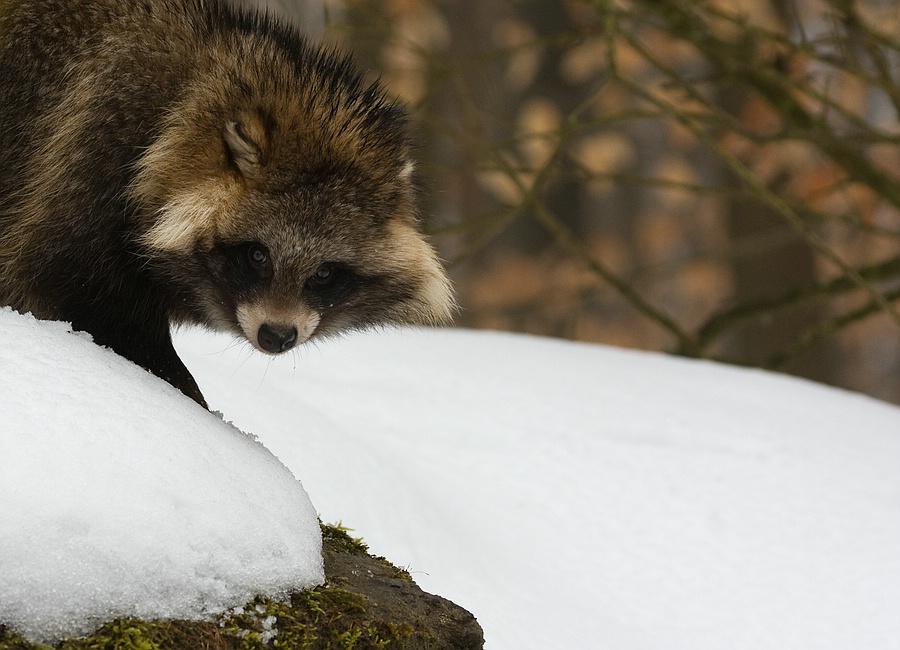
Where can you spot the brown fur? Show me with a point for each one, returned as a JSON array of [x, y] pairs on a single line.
[[173, 161]]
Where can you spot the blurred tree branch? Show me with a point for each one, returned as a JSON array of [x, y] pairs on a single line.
[[642, 149]]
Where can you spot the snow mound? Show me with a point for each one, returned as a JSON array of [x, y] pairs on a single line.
[[121, 497], [582, 496]]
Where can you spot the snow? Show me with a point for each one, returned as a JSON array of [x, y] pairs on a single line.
[[580, 496], [569, 495], [121, 497]]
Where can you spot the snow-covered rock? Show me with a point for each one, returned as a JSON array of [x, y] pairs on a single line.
[[569, 495], [121, 497]]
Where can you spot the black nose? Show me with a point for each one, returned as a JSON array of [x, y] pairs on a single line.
[[276, 339]]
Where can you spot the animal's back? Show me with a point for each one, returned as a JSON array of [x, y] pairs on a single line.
[[81, 51], [82, 95]]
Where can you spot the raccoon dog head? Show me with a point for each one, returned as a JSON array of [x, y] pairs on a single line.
[[278, 199]]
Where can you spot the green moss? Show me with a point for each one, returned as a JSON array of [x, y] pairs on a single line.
[[121, 634], [324, 618], [10, 641], [337, 537], [128, 634]]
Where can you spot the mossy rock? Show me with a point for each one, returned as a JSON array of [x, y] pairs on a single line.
[[366, 604]]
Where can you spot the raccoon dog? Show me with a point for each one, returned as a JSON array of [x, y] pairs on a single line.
[[178, 161]]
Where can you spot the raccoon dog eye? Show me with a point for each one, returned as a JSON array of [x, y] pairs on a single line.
[[245, 263], [258, 256], [323, 276], [331, 283]]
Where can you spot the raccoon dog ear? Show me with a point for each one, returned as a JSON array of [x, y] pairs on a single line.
[[246, 143]]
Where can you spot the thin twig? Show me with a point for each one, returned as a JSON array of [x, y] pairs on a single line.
[[823, 329], [729, 319]]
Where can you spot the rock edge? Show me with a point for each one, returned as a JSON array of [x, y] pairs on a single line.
[[366, 604]]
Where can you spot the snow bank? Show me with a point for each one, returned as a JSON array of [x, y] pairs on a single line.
[[121, 497], [579, 496], [570, 495]]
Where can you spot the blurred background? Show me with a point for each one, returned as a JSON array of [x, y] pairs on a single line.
[[715, 179]]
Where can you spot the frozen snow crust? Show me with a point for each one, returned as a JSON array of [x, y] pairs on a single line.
[[121, 497]]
